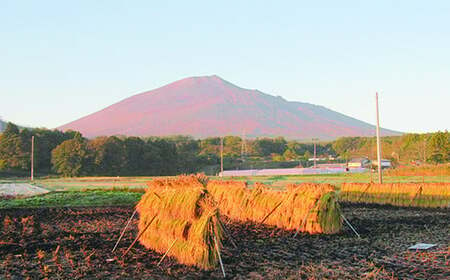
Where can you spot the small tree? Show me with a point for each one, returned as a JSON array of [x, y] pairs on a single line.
[[440, 144], [14, 151], [68, 158]]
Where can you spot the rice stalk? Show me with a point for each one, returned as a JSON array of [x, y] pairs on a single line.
[[187, 220]]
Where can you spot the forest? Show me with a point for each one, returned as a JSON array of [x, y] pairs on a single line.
[[70, 154]]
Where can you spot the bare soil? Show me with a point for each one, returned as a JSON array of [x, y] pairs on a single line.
[[63, 243]]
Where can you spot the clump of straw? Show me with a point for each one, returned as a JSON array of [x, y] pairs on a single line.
[[399, 194], [179, 217], [311, 208]]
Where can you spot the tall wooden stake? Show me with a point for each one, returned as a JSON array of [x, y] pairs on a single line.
[[124, 229], [350, 225], [139, 236], [32, 158], [380, 176], [165, 254], [221, 156], [220, 258], [315, 154]]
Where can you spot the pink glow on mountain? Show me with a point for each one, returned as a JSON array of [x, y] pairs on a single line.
[[210, 106]]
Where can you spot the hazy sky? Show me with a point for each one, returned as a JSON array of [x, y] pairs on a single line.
[[61, 60]]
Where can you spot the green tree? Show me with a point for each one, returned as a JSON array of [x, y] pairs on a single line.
[[267, 146], [107, 156], [15, 148], [290, 154], [134, 155], [69, 157], [232, 146], [440, 145]]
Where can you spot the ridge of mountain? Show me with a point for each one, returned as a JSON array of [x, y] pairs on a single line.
[[211, 106]]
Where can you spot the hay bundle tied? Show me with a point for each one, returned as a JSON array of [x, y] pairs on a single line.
[[179, 217], [311, 208], [399, 194]]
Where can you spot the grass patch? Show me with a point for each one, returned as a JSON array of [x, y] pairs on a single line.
[[71, 199]]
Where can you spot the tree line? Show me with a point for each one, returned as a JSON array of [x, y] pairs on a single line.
[[70, 154]]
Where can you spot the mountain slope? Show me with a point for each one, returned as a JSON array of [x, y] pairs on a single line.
[[211, 106]]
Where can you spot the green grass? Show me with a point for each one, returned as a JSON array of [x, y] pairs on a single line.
[[74, 199], [85, 183]]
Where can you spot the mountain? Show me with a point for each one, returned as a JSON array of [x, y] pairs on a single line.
[[210, 106]]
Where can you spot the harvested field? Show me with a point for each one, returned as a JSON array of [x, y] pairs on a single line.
[[76, 243]]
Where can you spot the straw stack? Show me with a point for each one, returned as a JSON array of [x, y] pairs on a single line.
[[179, 217], [398, 194], [311, 208]]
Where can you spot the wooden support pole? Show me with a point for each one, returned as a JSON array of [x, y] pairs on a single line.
[[165, 254], [270, 213], [380, 176], [419, 192], [220, 258], [350, 225], [139, 235], [124, 229], [315, 154], [364, 192], [32, 158], [221, 156]]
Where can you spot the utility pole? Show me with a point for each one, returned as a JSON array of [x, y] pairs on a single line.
[[221, 156], [314, 141], [380, 176], [32, 158], [243, 147]]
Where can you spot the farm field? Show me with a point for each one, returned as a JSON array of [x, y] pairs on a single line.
[[70, 232], [76, 243]]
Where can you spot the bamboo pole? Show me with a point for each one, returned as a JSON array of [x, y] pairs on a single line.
[[139, 235], [270, 213], [124, 229], [365, 190], [419, 191], [220, 258], [165, 254], [350, 225]]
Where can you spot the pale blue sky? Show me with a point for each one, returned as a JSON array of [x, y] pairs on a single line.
[[61, 60]]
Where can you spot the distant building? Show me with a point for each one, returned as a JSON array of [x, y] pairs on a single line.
[[322, 158], [331, 165], [362, 162], [385, 163]]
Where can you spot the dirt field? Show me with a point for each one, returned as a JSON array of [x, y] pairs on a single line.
[[63, 243]]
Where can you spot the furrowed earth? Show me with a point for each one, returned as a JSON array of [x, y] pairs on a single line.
[[62, 243]]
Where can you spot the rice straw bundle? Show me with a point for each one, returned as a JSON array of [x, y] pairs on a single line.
[[184, 218], [311, 208], [230, 195], [399, 194]]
